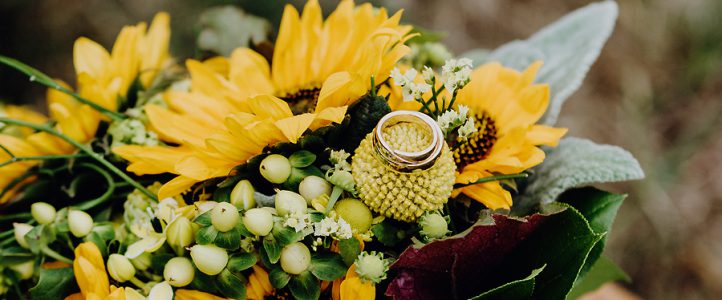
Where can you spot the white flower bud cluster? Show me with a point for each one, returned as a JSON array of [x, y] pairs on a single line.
[[131, 132], [411, 90], [329, 227], [452, 119], [456, 73], [339, 158], [300, 223]]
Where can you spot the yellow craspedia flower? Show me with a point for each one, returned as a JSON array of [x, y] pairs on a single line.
[[404, 196], [236, 106]]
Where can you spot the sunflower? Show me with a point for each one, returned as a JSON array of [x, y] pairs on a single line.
[[237, 106], [505, 105], [102, 78]]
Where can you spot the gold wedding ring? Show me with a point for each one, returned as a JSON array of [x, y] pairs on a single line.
[[405, 161]]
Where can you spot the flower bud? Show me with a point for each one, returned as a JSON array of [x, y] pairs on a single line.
[[43, 212], [141, 262], [160, 291], [275, 168], [209, 259], [21, 229], [357, 214], [224, 216], [371, 266], [295, 258], [288, 202], [179, 232], [179, 271], [120, 268], [25, 270], [79, 222], [313, 187], [242, 195], [258, 221], [433, 226]]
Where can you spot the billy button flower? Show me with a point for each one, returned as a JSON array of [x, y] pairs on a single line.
[[356, 213], [433, 226]]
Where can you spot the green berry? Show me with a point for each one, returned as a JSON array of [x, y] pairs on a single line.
[[43, 212], [357, 214], [258, 221], [295, 258], [224, 216], [313, 187], [179, 271], [21, 229], [209, 259], [120, 268], [242, 195], [80, 223], [275, 168], [288, 202]]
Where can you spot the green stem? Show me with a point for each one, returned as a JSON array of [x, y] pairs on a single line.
[[453, 99], [15, 159], [138, 283], [55, 255], [493, 178], [335, 194], [111, 188], [37, 76], [17, 216], [85, 149]]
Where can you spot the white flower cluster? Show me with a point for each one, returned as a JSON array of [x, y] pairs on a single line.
[[456, 73], [132, 132], [455, 118], [339, 158], [410, 90], [300, 223], [329, 227]]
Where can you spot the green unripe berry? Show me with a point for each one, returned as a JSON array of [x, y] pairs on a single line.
[[209, 259], [21, 229], [141, 262], [80, 223], [120, 268], [295, 258], [179, 271], [43, 212], [433, 226], [224, 216], [258, 221], [242, 195], [25, 270], [357, 214], [179, 233], [288, 202], [275, 168], [313, 187]]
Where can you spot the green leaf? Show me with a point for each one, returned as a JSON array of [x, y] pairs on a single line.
[[302, 159], [230, 240], [603, 271], [231, 285], [241, 261], [327, 266], [387, 233], [223, 194], [204, 219], [243, 230], [568, 48], [273, 249], [225, 28], [54, 284], [104, 230], [96, 239], [158, 261], [14, 255], [517, 289], [39, 237], [206, 235], [305, 287], [205, 283], [349, 249], [574, 163], [285, 235], [278, 278]]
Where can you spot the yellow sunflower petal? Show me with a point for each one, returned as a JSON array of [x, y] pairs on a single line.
[[250, 72], [545, 135], [491, 194], [340, 89], [294, 127], [267, 106], [175, 187], [90, 57], [329, 115], [183, 294], [154, 48]]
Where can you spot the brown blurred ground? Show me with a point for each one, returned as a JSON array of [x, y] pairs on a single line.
[[656, 90]]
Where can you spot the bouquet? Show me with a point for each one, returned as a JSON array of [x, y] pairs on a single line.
[[355, 159]]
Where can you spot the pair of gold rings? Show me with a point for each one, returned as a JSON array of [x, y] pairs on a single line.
[[405, 161]]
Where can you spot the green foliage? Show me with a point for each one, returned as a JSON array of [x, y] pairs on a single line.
[[278, 278], [225, 28], [231, 285], [241, 261], [365, 114], [305, 286], [349, 250], [514, 290], [54, 284], [301, 159], [603, 271], [273, 249], [327, 266]]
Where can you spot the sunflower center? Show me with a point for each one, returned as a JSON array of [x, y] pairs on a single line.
[[478, 145], [303, 100]]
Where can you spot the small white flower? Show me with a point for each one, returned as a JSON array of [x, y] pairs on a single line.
[[413, 91], [339, 159], [463, 111], [467, 129], [300, 223], [344, 230], [455, 73], [446, 120], [326, 227], [428, 75], [403, 79]]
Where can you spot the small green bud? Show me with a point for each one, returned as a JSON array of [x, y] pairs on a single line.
[[242, 195], [313, 187], [120, 268], [179, 233], [209, 259], [275, 168], [21, 229], [342, 179], [258, 221], [433, 226], [371, 266], [224, 216], [141, 262], [43, 212], [79, 222], [288, 202], [161, 290], [357, 214], [25, 270], [295, 258], [179, 271]]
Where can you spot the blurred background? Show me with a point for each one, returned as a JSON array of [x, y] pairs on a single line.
[[656, 91]]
